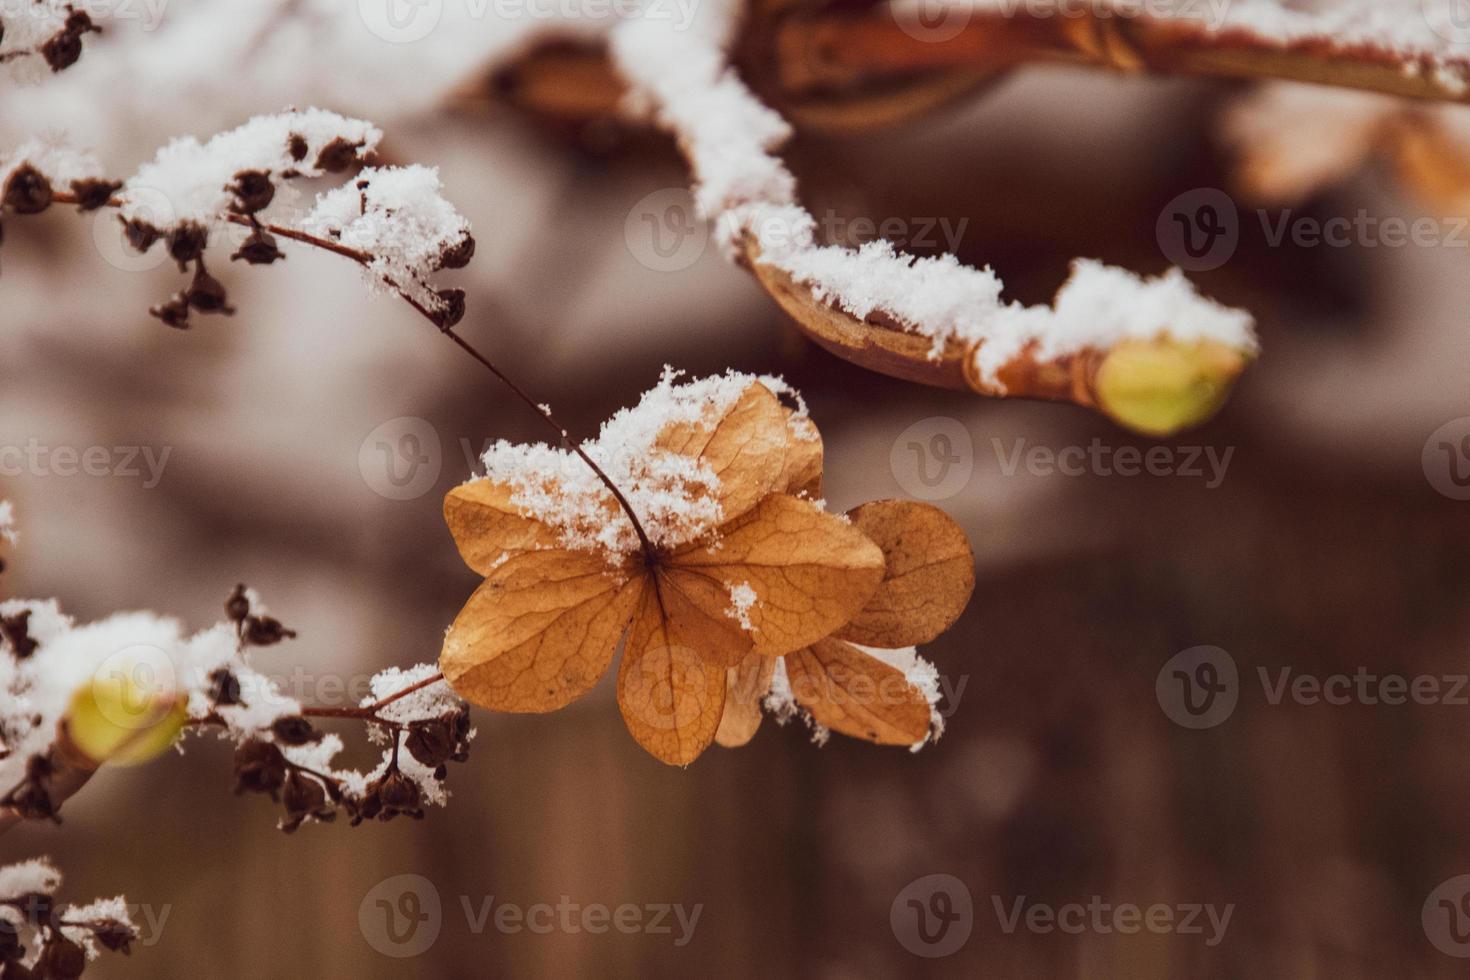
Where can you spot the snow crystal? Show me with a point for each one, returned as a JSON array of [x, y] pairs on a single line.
[[398, 216], [674, 496], [193, 178]]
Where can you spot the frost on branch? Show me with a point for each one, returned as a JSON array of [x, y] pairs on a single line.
[[44, 939], [40, 36], [391, 221], [724, 568], [74, 697], [685, 82]]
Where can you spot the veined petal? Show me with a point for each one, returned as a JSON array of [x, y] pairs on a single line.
[[745, 447], [929, 576], [850, 692], [539, 632], [670, 694], [810, 571], [487, 527]]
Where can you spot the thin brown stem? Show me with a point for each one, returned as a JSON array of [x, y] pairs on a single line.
[[369, 712], [365, 259]]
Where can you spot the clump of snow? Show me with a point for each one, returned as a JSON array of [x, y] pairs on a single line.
[[922, 675], [433, 701], [674, 496], [59, 163], [194, 177], [37, 876], [742, 599], [7, 522], [684, 82], [399, 216], [113, 910]]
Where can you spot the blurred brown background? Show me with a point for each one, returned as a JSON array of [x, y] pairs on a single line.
[[1325, 549]]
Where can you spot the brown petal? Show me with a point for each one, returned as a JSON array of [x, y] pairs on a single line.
[[746, 447], [850, 692], [930, 575], [670, 695], [811, 571], [801, 474], [745, 685], [487, 526], [539, 632]]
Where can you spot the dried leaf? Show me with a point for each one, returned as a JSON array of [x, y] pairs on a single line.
[[671, 697], [929, 578], [810, 571], [745, 685], [850, 692], [745, 447], [487, 526], [801, 474], [539, 631]]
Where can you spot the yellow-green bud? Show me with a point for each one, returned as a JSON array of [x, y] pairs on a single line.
[[130, 711], [1161, 387]]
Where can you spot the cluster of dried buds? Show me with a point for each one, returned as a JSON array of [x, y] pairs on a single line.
[[262, 767], [64, 938], [62, 49]]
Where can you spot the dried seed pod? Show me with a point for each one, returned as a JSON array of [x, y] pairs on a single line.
[[259, 768], [224, 687], [27, 191], [458, 255], [175, 312], [294, 730], [453, 309], [337, 156], [253, 192], [263, 631], [259, 249], [141, 235], [207, 294], [93, 193], [186, 242]]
